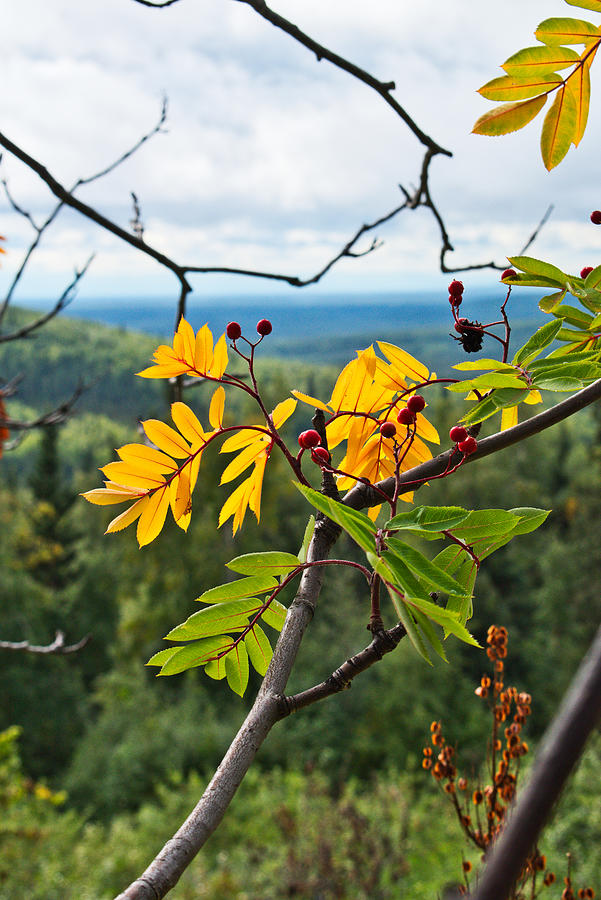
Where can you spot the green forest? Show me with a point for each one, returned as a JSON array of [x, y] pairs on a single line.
[[100, 760]]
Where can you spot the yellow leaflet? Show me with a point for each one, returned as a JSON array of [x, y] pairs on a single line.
[[169, 370], [166, 438], [254, 500], [563, 30], [539, 60], [312, 401], [579, 85], [244, 459], [236, 505], [559, 128], [586, 4], [403, 362], [220, 358], [509, 117], [356, 394], [216, 408], [509, 417], [389, 378], [418, 451], [245, 436], [153, 515], [533, 397], [135, 452], [426, 430], [187, 422], [203, 350], [194, 468], [186, 336], [337, 430], [105, 497], [283, 411], [373, 512], [360, 430], [126, 474], [130, 515], [341, 385], [139, 466], [180, 499]]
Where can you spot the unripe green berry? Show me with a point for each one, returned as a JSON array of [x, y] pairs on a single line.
[[416, 403], [458, 433], [309, 439]]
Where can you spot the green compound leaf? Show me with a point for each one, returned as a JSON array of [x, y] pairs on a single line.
[[236, 590], [259, 649], [428, 519], [271, 562], [424, 568], [539, 61], [507, 88], [237, 669], [359, 526], [538, 267], [509, 117], [541, 338], [563, 30]]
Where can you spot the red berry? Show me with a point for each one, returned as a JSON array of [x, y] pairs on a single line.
[[388, 429], [596, 217], [309, 439], [456, 288], [405, 416], [320, 456], [508, 273], [468, 445], [454, 301], [264, 327], [416, 403], [233, 331], [460, 324], [458, 433], [586, 271]]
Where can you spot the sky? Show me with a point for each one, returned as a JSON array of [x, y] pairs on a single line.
[[269, 159]]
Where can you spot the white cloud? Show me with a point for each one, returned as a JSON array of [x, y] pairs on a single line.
[[271, 159]]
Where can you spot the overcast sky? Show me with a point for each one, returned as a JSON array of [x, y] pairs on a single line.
[[271, 160]]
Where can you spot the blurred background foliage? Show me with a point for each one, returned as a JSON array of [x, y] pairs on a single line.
[[106, 759]]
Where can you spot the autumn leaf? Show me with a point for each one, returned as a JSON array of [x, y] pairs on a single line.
[[190, 354]]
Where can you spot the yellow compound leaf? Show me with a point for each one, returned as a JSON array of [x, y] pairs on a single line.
[[166, 438], [216, 408], [559, 129], [153, 515], [509, 117]]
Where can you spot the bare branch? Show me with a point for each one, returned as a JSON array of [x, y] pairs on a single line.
[[157, 5], [579, 714], [55, 417], [63, 301], [536, 231], [56, 648], [383, 88]]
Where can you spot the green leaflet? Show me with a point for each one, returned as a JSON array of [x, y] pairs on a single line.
[[558, 385], [403, 577], [480, 364], [484, 523], [509, 117], [547, 304], [429, 632], [160, 658], [564, 30], [275, 615], [259, 649], [428, 519], [359, 526], [487, 381], [198, 653], [593, 279], [271, 562], [221, 618], [449, 620], [539, 61], [423, 567], [595, 5], [235, 590], [507, 88], [236, 668], [407, 618], [541, 338], [559, 128], [538, 267]]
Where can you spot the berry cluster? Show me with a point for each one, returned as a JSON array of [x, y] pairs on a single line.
[[455, 293], [466, 444], [234, 331], [407, 414], [310, 440]]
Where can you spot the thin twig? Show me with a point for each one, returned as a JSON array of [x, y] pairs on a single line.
[[57, 647]]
